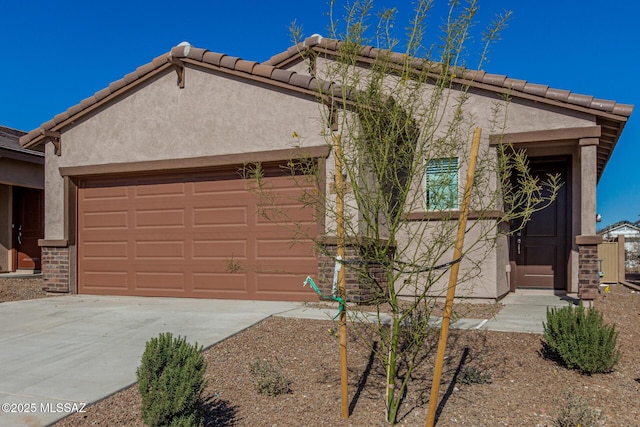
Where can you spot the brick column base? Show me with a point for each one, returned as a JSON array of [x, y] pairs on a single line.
[[364, 282], [55, 269], [588, 272]]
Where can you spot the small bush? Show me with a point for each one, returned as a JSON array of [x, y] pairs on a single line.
[[171, 381], [579, 337], [576, 412], [470, 376], [269, 379]]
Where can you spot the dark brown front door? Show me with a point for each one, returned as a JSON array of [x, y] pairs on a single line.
[[28, 226], [539, 251]]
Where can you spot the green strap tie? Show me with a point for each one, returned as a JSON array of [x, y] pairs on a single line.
[[340, 300]]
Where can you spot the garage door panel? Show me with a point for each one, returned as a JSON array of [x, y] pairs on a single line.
[[102, 220], [160, 250], [293, 213], [111, 251], [105, 281], [282, 249], [197, 235], [219, 249], [220, 282], [219, 216], [174, 189], [107, 193], [159, 280], [160, 218]]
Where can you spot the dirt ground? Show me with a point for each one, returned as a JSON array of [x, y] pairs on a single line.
[[524, 388]]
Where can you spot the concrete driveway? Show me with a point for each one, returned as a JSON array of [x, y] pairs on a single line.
[[58, 354]]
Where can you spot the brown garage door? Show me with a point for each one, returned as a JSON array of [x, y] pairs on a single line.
[[193, 235]]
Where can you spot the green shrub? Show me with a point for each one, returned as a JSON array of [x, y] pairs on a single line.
[[269, 379], [171, 381], [576, 412], [470, 376], [579, 337]]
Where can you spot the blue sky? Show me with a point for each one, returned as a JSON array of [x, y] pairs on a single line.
[[58, 52]]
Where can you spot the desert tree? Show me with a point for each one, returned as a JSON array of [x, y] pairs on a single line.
[[400, 123]]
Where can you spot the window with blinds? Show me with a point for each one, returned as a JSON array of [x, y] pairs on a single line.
[[442, 184]]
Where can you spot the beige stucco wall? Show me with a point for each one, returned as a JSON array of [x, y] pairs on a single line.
[[517, 115], [213, 115], [6, 209]]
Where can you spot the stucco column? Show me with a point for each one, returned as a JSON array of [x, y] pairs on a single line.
[[589, 178], [587, 241]]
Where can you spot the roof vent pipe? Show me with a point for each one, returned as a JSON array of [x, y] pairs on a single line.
[[187, 47]]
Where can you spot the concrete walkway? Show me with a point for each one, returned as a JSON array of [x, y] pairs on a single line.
[[58, 354], [521, 313]]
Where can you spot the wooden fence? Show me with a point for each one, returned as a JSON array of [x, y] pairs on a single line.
[[611, 257]]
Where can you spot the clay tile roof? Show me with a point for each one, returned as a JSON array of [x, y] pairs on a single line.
[[474, 75], [514, 87], [186, 53], [295, 49], [271, 72], [365, 50], [212, 58], [514, 84], [263, 70], [229, 62], [558, 94], [59, 118], [301, 80], [279, 57], [74, 110], [118, 84], [130, 78], [102, 94], [623, 109], [314, 84], [577, 99], [144, 69], [282, 75], [245, 66], [493, 79], [312, 40], [603, 104], [196, 53], [535, 89]]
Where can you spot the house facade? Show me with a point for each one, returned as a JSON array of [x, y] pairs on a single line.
[[21, 204], [144, 195]]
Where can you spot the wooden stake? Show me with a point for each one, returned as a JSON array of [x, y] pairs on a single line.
[[341, 285], [453, 278]]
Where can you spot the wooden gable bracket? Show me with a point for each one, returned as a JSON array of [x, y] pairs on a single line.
[[54, 137], [179, 67]]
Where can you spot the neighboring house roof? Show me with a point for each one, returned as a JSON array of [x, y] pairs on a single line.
[[9, 142], [610, 115], [621, 227], [177, 57]]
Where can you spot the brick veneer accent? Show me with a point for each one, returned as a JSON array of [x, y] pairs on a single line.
[[363, 281], [55, 269], [588, 272]]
